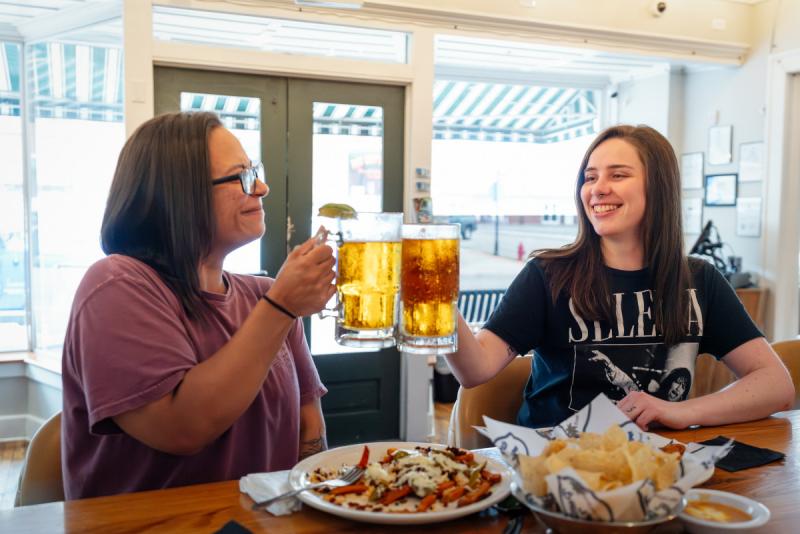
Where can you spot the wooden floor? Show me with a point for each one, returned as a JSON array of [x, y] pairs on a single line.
[[12, 453]]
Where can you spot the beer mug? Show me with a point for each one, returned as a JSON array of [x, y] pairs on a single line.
[[429, 289], [367, 279]]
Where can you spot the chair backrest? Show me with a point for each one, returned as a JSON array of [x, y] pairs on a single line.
[[710, 375], [499, 398], [789, 352], [476, 305], [40, 480]]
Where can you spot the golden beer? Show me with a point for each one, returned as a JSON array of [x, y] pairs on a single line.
[[430, 286], [368, 281]]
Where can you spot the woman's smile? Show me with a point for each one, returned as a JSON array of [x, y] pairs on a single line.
[[601, 210]]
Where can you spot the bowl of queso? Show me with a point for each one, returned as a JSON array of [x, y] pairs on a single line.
[[710, 511]]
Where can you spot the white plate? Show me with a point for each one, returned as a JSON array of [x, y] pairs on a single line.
[[351, 454]]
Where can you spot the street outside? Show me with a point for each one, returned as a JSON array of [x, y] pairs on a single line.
[[481, 269]]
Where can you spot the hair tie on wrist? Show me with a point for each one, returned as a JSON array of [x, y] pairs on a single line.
[[278, 306]]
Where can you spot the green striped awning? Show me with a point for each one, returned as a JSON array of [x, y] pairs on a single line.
[[71, 81], [75, 81]]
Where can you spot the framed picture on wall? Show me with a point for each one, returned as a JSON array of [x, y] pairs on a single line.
[[751, 162], [719, 145], [692, 170], [721, 190], [748, 217], [692, 215]]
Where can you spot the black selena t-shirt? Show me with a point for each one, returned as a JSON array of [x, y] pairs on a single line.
[[577, 359]]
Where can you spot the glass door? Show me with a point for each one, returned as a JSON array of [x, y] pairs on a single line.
[[320, 142], [253, 108], [346, 146]]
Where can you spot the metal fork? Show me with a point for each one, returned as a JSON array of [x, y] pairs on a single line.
[[352, 475]]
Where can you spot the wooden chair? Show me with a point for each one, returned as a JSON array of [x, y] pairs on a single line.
[[789, 352], [711, 375], [40, 480], [499, 398]]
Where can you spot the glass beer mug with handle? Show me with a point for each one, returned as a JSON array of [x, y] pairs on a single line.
[[367, 279], [429, 289]]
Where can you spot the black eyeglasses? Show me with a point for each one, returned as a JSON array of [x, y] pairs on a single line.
[[247, 178]]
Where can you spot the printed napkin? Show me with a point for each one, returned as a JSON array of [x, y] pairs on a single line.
[[568, 493], [263, 486]]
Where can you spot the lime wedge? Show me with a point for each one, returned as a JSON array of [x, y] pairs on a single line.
[[337, 211]]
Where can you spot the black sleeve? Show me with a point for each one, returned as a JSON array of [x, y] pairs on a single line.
[[727, 323], [519, 319]]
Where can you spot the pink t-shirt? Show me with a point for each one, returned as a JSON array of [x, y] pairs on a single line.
[[129, 343]]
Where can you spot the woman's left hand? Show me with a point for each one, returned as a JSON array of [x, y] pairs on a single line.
[[644, 410]]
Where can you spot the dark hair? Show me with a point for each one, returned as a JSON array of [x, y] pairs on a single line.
[[578, 268], [159, 207]]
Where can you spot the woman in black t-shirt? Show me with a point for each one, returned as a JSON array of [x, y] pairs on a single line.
[[622, 310]]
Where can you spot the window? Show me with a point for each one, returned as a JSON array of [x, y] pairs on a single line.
[[347, 152], [278, 35], [13, 331], [242, 116], [59, 152], [76, 118], [504, 163]]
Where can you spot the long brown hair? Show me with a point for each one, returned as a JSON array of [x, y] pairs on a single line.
[[159, 207], [578, 268]]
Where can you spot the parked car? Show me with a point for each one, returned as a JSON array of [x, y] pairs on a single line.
[[469, 223]]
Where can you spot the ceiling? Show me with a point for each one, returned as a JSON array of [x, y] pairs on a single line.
[[485, 89], [17, 12]]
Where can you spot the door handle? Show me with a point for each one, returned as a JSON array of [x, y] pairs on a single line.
[[289, 234]]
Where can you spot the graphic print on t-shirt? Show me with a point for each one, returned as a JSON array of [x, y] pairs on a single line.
[[618, 369]]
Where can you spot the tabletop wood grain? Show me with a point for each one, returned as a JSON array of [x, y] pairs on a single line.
[[207, 507]]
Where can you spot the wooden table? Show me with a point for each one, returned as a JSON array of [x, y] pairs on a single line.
[[207, 507]]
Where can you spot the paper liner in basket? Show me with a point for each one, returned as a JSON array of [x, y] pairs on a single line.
[[638, 501]]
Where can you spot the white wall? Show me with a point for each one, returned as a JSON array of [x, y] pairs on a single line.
[[657, 101], [739, 97], [784, 16], [645, 101], [13, 394], [29, 395], [685, 18], [735, 96]]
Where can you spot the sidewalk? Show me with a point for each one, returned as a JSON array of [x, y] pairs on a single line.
[[480, 270]]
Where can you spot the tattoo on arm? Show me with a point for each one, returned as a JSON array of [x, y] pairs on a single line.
[[313, 446]]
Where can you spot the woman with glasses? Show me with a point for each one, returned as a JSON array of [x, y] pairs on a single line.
[[176, 372]]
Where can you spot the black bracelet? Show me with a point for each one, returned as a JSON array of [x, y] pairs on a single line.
[[278, 306]]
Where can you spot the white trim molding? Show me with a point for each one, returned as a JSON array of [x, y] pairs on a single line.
[[198, 56], [19, 427], [578, 35], [416, 402], [137, 50], [407, 17], [8, 32], [782, 221]]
